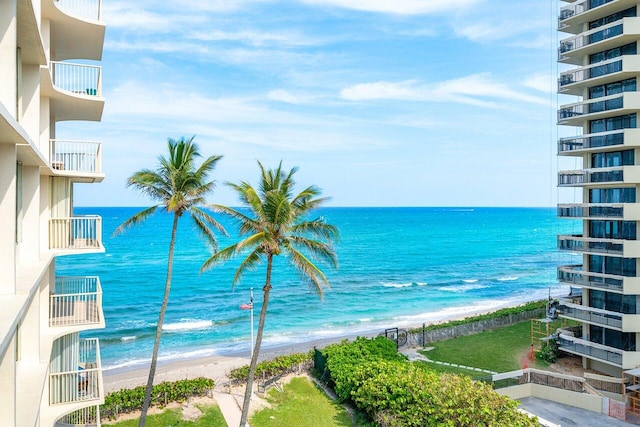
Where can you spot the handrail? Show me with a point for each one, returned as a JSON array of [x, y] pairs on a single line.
[[80, 79], [75, 156], [83, 232], [83, 9]]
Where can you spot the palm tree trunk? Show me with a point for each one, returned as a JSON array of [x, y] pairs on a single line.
[[163, 309], [256, 351]]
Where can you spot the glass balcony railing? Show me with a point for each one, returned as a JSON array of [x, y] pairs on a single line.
[[594, 140], [577, 8], [75, 301], [590, 349], [75, 156], [574, 275], [589, 72], [79, 79], [90, 10], [585, 39], [590, 210], [83, 232], [595, 316], [590, 176], [577, 243], [591, 106]]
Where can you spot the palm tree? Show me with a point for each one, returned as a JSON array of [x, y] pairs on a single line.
[[179, 187], [277, 223]]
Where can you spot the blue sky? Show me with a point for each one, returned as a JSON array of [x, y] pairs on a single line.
[[378, 102]]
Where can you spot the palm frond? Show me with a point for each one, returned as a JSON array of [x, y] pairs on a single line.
[[317, 250], [209, 220], [308, 271], [135, 219], [249, 263], [317, 228]]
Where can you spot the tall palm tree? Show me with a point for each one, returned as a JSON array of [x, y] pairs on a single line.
[[277, 223], [179, 187]]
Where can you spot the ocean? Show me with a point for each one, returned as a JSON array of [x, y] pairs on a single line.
[[399, 267]]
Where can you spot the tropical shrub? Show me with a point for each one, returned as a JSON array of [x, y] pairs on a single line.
[[548, 351], [129, 400], [271, 368], [392, 392]]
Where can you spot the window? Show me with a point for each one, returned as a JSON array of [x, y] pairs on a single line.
[[612, 195], [628, 85], [612, 159], [627, 121], [612, 230], [628, 49], [612, 265], [612, 18], [621, 340]]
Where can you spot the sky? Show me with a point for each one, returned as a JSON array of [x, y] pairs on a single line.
[[377, 102]]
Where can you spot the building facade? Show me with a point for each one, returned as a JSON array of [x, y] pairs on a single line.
[[49, 374], [600, 45]]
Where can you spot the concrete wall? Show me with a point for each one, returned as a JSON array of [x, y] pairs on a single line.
[[585, 401]]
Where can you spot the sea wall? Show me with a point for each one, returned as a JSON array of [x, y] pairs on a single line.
[[415, 336]]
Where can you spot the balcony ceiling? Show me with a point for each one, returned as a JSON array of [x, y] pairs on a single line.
[[73, 38], [10, 130], [67, 105], [575, 24], [29, 39]]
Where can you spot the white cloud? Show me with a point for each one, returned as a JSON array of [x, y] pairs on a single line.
[[399, 7], [257, 38], [541, 82], [478, 89], [288, 97]]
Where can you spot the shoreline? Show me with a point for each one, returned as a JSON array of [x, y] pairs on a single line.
[[217, 366]]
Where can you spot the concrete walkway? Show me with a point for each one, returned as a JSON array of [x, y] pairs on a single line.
[[230, 407], [412, 354]]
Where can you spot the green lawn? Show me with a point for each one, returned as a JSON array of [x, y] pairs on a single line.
[[302, 404], [499, 350], [211, 417]]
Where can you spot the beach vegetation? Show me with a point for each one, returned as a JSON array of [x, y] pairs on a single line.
[[211, 417], [393, 392], [129, 400], [548, 351], [275, 222], [503, 312], [179, 186], [302, 404], [278, 366]]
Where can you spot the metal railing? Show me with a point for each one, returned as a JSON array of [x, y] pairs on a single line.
[[573, 275], [536, 376], [594, 140], [81, 384], [590, 210], [75, 301], [77, 78], [576, 242], [75, 156], [85, 417], [589, 176], [590, 349], [599, 69], [594, 36], [83, 232], [591, 106], [591, 315], [90, 10]]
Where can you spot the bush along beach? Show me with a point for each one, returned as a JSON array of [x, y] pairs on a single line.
[[371, 375]]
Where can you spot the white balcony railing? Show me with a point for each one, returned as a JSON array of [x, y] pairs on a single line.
[[75, 301], [77, 78], [82, 383], [84, 9], [75, 156], [75, 233], [85, 417]]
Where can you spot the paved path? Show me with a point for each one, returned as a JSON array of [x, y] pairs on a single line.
[[229, 407], [568, 416], [412, 354]]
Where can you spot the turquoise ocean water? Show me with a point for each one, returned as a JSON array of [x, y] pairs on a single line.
[[398, 267]]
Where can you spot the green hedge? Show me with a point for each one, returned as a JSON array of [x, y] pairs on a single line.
[[271, 368], [503, 312], [393, 392], [129, 400]]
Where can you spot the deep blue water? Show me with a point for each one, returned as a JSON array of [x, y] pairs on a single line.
[[398, 267]]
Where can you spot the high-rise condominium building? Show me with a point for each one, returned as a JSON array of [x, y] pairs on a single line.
[[49, 375], [600, 44]]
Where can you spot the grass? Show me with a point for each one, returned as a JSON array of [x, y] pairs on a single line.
[[499, 350], [211, 417], [302, 404]]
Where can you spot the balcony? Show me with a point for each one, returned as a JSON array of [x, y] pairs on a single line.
[[84, 383], [622, 211], [609, 319], [76, 233], [82, 159], [575, 81], [575, 145], [571, 17], [68, 18], [572, 50], [575, 114], [577, 243], [609, 355], [75, 90], [599, 176], [76, 301], [86, 417], [574, 275]]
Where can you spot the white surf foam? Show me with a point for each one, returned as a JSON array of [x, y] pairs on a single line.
[[462, 288], [397, 285], [507, 279], [188, 325]]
